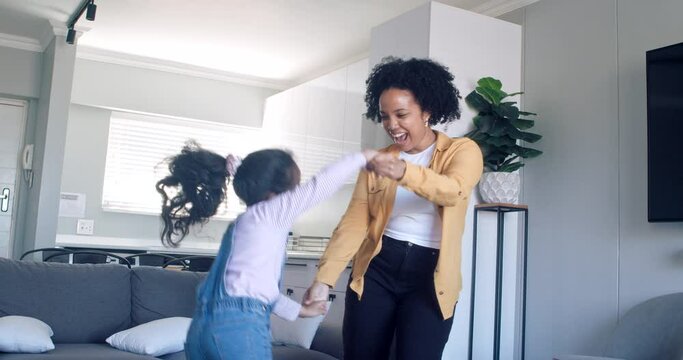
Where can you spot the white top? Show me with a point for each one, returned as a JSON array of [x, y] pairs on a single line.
[[414, 218], [254, 266]]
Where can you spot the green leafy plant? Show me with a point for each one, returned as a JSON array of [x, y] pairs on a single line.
[[498, 127]]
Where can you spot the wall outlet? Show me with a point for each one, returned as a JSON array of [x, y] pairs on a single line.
[[85, 227]]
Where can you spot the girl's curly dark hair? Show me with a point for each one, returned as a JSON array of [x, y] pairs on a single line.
[[200, 177], [430, 82]]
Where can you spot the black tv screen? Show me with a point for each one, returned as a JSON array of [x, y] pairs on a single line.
[[665, 133]]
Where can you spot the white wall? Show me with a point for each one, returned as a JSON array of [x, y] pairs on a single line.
[[20, 72], [649, 254], [592, 254], [477, 54], [113, 86]]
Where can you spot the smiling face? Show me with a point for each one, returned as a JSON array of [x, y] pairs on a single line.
[[404, 120]]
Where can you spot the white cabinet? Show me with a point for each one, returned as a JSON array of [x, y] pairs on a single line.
[[273, 115], [286, 112], [296, 110], [301, 273], [298, 275], [298, 272], [355, 101], [327, 100], [319, 120]]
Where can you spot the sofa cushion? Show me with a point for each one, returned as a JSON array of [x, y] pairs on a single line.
[[79, 352], [650, 330], [23, 334], [156, 338], [82, 303], [299, 332], [160, 293]]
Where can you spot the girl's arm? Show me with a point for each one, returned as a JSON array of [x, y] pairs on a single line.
[[286, 308], [283, 209]]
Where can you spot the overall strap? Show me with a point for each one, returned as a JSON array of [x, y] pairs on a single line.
[[214, 285]]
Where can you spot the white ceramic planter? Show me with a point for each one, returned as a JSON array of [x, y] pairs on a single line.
[[499, 187]]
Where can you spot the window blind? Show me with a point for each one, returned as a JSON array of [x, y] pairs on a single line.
[[138, 146]]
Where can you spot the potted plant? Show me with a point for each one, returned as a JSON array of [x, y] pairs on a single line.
[[498, 130]]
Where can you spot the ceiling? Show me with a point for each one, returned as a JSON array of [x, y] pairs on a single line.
[[284, 41]]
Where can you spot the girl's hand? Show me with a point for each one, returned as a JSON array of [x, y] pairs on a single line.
[[388, 165], [313, 309]]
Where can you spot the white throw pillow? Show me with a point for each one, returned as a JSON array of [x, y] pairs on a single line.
[[299, 332], [155, 338], [23, 334]]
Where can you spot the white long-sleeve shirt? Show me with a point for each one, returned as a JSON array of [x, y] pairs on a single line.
[[254, 266]]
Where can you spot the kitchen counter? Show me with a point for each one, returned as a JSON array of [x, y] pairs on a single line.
[[149, 245]]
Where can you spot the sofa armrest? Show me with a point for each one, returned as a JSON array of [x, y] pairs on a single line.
[[328, 340], [582, 357]]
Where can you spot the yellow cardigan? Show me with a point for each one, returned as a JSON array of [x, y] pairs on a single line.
[[453, 172]]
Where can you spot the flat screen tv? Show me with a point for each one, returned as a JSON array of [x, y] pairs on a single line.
[[665, 133]]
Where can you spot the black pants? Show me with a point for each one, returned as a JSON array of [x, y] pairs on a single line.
[[398, 300]]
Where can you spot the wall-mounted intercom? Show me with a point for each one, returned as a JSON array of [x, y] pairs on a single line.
[[27, 164]]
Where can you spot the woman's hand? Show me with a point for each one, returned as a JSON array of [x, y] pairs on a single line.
[[387, 165], [369, 154], [313, 309], [317, 292]]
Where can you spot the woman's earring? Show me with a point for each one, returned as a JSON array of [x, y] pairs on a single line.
[[427, 123]]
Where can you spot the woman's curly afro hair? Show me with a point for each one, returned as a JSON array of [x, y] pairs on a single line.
[[430, 82]]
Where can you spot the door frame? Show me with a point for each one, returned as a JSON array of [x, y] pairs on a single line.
[[19, 180]]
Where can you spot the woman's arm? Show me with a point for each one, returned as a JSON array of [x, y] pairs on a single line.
[[347, 236], [460, 174]]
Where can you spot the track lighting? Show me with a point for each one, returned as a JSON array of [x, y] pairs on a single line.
[[70, 36], [91, 8]]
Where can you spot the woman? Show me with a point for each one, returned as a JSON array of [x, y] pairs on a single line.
[[404, 224]]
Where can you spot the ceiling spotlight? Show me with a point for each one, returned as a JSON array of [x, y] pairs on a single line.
[[70, 36], [92, 9], [89, 8]]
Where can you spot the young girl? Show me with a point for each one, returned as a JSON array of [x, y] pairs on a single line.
[[232, 319]]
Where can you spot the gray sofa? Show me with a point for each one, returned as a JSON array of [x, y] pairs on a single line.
[[84, 304], [652, 330]]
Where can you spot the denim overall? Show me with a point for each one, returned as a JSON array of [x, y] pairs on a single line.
[[225, 327]]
